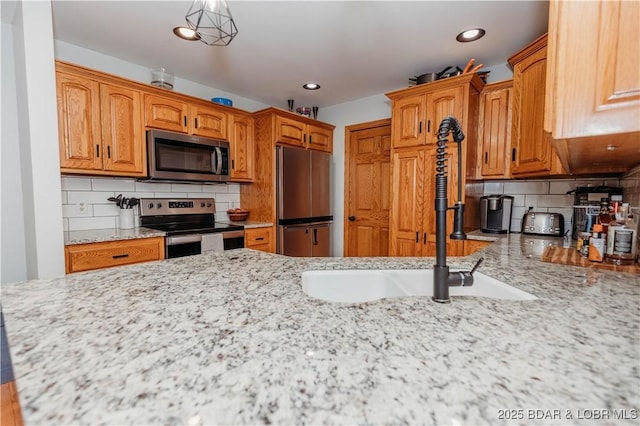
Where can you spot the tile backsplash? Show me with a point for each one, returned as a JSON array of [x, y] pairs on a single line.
[[551, 195], [85, 205]]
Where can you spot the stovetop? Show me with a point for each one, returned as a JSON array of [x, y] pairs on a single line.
[[180, 216], [193, 228]]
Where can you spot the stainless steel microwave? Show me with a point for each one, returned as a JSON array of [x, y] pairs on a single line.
[[180, 157]]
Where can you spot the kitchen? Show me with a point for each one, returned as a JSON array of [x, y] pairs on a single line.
[[91, 182]]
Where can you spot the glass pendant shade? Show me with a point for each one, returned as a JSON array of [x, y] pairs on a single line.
[[212, 21]]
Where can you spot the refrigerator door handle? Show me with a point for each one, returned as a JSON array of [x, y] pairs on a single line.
[[315, 236]]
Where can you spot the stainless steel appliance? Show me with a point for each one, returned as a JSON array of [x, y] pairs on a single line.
[[303, 202], [180, 157], [543, 223], [190, 225], [495, 213]]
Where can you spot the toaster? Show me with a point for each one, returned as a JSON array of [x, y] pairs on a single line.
[[543, 223]]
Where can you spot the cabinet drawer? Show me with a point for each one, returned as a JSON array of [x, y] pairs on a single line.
[[258, 239], [84, 257]]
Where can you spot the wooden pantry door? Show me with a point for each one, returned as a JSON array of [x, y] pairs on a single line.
[[367, 180]]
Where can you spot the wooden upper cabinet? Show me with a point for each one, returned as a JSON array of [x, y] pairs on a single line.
[[78, 122], [416, 116], [165, 113], [290, 132], [440, 104], [593, 84], [320, 138], [409, 126], [100, 127], [299, 133], [208, 122], [532, 153], [178, 116], [494, 131], [122, 130], [242, 147]]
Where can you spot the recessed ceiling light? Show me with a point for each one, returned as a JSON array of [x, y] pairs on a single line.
[[311, 86], [470, 35], [186, 33]]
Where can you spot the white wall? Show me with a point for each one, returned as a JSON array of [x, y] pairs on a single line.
[[34, 81], [362, 110], [13, 254], [112, 65]]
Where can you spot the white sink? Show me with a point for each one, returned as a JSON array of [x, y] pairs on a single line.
[[356, 286]]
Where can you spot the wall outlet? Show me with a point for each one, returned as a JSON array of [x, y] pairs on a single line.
[[82, 208]]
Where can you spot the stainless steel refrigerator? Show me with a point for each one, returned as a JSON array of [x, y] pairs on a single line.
[[303, 202]]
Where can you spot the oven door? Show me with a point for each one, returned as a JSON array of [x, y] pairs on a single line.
[[183, 245], [233, 240]]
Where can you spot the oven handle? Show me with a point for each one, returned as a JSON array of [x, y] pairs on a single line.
[[232, 234], [183, 239]]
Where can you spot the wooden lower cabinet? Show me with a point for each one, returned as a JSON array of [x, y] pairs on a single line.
[[85, 257], [457, 247], [260, 239], [472, 246], [10, 408]]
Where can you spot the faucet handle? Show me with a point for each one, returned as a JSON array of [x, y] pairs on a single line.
[[476, 265]]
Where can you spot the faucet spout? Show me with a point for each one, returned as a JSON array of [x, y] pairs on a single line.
[[442, 277]]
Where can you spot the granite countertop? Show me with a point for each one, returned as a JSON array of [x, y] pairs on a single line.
[[109, 234], [248, 224], [114, 234], [231, 338]]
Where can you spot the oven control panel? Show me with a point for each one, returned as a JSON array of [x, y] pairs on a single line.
[[172, 206]]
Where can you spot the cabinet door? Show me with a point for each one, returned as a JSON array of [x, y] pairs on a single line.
[[290, 132], [242, 152], [441, 104], [84, 257], [429, 198], [165, 113], [78, 123], [604, 97], [531, 148], [494, 133], [407, 202], [122, 130], [320, 138], [408, 121], [208, 122], [259, 239]]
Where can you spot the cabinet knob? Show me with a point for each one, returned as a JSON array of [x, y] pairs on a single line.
[[351, 218]]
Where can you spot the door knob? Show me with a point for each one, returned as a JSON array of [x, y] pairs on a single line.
[[351, 218]]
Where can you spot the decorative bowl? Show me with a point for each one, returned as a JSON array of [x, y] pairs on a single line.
[[238, 214], [306, 111], [222, 101]]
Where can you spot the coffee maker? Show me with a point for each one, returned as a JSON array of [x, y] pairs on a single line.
[[495, 213]]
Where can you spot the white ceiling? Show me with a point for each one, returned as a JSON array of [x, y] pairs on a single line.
[[353, 49]]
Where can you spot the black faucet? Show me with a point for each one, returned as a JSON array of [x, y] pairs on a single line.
[[442, 278]]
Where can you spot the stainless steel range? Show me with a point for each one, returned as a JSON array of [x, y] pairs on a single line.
[[190, 225]]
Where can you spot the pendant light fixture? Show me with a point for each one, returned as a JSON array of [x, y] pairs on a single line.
[[210, 21]]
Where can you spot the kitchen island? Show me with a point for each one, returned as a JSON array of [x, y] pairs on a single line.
[[231, 338]]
